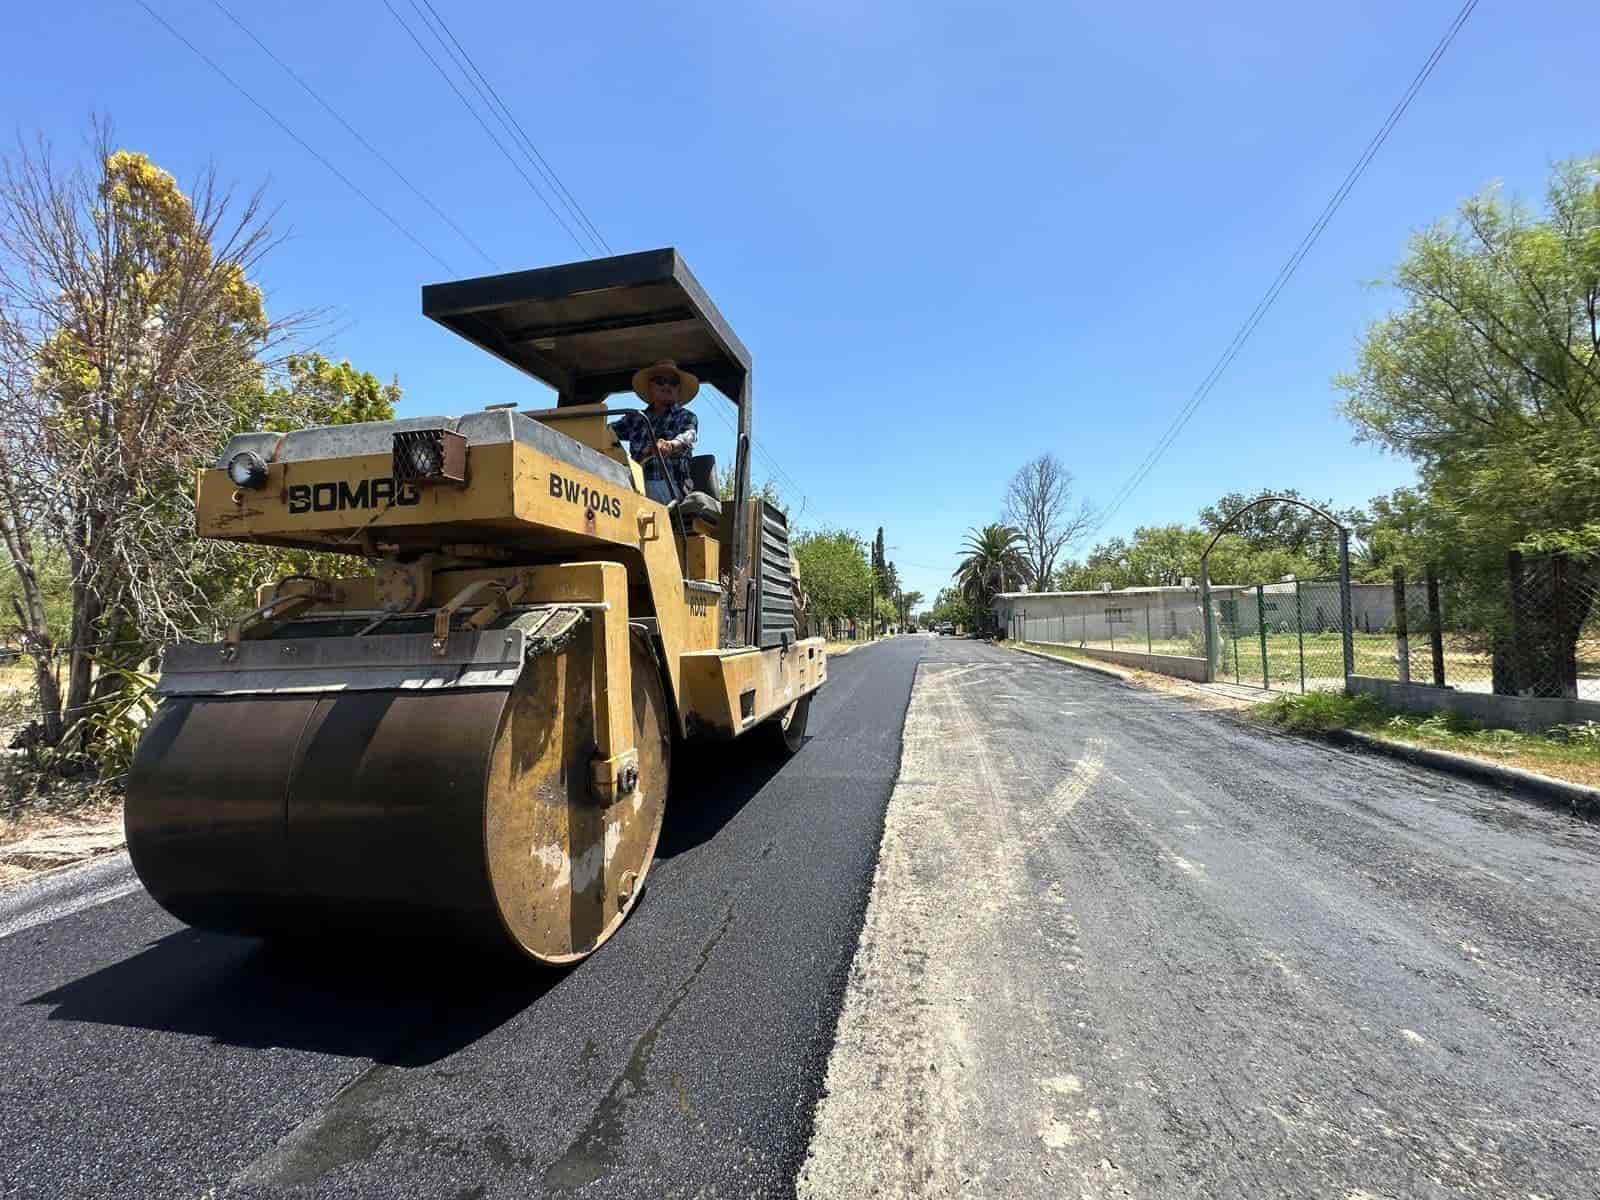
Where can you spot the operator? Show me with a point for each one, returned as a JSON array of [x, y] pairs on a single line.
[[666, 388]]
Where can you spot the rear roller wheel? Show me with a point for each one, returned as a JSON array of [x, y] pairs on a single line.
[[786, 732]]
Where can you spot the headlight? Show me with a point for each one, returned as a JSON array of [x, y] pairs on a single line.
[[425, 456], [247, 469]]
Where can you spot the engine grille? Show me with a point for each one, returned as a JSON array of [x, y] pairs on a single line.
[[775, 616]]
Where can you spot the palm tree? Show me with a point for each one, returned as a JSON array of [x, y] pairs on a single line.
[[992, 561]]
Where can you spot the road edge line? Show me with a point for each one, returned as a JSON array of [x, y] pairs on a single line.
[[1543, 789], [1096, 668], [67, 890]]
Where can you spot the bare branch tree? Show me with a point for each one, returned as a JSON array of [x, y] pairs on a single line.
[[1039, 506]]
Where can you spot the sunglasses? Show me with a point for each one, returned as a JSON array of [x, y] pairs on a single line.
[[665, 381]]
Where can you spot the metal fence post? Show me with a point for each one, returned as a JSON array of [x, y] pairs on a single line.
[[1436, 626], [1261, 631], [1519, 655], [1300, 629], [1402, 643], [1566, 664], [1083, 640], [1149, 645], [1346, 613], [1205, 624]]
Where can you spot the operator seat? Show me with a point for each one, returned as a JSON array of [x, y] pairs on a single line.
[[701, 502]]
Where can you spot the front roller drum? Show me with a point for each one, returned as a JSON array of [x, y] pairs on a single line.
[[397, 813]]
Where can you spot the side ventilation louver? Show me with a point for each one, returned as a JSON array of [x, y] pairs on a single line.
[[775, 618]]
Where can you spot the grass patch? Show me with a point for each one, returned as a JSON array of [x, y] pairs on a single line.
[[1570, 752], [1321, 712]]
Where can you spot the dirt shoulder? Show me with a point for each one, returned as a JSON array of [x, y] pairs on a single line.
[[67, 822]]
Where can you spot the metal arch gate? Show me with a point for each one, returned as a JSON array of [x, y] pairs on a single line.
[[1280, 627], [1284, 636]]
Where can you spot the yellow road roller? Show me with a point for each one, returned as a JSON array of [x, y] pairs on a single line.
[[473, 736]]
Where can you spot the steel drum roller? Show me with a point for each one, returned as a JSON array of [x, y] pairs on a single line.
[[464, 812]]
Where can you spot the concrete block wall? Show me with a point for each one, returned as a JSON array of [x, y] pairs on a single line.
[[1176, 665], [1528, 713]]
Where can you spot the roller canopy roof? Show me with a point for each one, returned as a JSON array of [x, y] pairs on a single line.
[[586, 327]]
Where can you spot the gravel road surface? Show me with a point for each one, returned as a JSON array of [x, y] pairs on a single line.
[[1121, 946], [144, 1059]]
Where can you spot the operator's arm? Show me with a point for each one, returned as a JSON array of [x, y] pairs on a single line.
[[683, 441], [628, 429]]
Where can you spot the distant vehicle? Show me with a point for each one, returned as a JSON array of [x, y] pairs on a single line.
[[945, 627]]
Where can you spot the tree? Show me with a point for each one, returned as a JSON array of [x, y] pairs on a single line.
[[1166, 555], [1285, 526], [132, 345], [768, 491], [908, 606], [312, 390], [318, 391], [1039, 507], [992, 561], [132, 341], [834, 569], [1488, 377], [952, 606]]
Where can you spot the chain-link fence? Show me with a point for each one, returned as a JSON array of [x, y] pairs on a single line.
[[1527, 627], [1282, 636]]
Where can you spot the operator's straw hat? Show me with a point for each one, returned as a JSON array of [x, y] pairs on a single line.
[[688, 385]]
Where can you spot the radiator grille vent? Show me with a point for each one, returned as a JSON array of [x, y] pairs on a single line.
[[775, 616]]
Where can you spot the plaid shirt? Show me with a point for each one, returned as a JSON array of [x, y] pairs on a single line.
[[679, 426]]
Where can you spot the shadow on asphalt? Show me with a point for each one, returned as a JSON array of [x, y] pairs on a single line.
[[399, 1004], [404, 1004], [711, 783]]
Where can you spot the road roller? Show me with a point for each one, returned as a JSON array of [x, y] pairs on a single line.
[[469, 732]]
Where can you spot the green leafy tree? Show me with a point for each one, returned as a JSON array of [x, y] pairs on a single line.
[[311, 390], [317, 391], [1288, 527], [1487, 376], [1166, 555], [834, 572], [951, 605]]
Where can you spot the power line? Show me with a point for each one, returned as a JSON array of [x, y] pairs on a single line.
[[569, 201], [445, 75], [371, 149], [497, 106], [456, 60], [1286, 272], [588, 226], [772, 462], [300, 141]]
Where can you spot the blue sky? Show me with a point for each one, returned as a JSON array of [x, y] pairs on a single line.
[[952, 235]]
